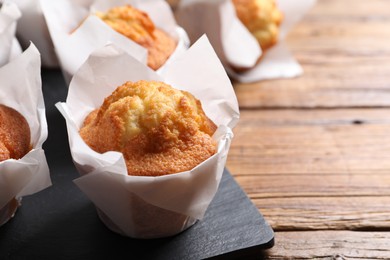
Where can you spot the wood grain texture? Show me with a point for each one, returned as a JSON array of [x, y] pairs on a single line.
[[337, 245], [313, 152], [369, 213], [337, 141], [344, 49], [315, 169]]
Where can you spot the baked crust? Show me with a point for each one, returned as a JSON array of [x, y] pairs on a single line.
[[158, 129], [14, 134], [137, 26], [262, 18]]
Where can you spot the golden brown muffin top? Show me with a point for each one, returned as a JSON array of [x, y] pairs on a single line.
[[14, 134], [159, 130], [262, 18], [137, 26]]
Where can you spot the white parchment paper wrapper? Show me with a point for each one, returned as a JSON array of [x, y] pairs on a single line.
[[32, 27], [235, 45], [9, 46], [21, 90], [64, 17], [146, 207]]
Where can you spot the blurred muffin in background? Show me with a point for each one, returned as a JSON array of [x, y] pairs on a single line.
[[137, 26], [262, 18]]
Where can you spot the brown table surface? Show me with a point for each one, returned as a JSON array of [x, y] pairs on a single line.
[[313, 152]]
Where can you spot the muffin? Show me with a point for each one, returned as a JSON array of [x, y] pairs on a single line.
[[262, 18], [137, 26], [158, 129], [14, 134], [14, 144]]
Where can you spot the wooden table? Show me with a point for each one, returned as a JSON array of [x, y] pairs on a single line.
[[313, 152]]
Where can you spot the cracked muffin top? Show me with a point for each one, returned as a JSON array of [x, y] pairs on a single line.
[[159, 129], [137, 26]]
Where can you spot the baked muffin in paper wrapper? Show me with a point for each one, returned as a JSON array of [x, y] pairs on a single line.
[[76, 31], [150, 207], [32, 27], [21, 89], [235, 45], [9, 46]]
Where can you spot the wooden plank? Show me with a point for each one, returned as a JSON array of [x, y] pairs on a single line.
[[347, 141], [344, 8], [330, 245], [273, 186], [326, 212], [315, 169], [173, 3], [345, 53]]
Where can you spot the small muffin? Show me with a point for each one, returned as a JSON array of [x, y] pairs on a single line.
[[262, 18], [14, 144], [14, 134], [158, 129], [137, 26]]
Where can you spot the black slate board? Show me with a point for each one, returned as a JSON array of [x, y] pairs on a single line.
[[61, 223]]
